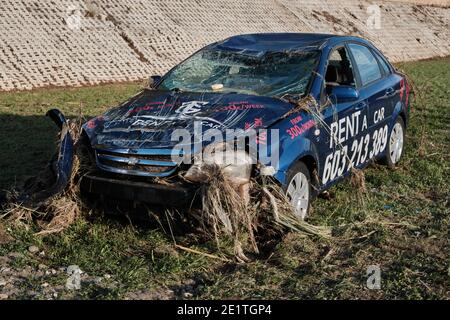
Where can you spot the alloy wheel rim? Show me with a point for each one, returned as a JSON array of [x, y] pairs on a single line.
[[298, 194], [396, 143]]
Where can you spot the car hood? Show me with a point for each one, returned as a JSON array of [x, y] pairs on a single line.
[[148, 119]]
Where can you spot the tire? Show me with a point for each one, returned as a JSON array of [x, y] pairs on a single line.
[[298, 189], [395, 144]]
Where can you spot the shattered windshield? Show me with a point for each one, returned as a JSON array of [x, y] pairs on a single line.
[[272, 74]]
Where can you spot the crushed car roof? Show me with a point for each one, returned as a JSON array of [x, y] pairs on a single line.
[[260, 43]]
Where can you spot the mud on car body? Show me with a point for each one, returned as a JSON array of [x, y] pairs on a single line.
[[356, 110]]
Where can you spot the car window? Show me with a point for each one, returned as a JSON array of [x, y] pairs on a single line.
[[339, 70], [335, 56], [383, 64], [368, 67]]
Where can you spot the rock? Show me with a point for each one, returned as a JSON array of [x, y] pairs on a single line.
[[170, 292], [150, 295], [44, 285], [4, 261], [2, 283], [107, 276], [42, 266], [187, 295], [33, 249], [73, 269], [98, 280], [3, 296], [32, 294], [28, 268], [15, 255]]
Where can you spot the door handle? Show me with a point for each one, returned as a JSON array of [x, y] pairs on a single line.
[[390, 91]]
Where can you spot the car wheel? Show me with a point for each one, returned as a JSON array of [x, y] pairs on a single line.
[[395, 144], [298, 189]]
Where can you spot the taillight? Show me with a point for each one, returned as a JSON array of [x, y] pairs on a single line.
[[404, 90]]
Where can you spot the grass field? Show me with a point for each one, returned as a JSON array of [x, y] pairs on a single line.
[[401, 224]]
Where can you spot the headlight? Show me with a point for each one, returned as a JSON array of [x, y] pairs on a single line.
[[236, 165]]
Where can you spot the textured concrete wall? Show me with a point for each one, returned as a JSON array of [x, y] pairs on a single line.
[[70, 42], [427, 2]]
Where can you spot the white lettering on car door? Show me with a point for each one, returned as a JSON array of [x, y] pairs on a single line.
[[345, 157]]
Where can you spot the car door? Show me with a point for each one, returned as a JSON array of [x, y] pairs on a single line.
[[391, 85], [340, 137], [378, 90]]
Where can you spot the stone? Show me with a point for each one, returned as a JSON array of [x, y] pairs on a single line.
[[33, 249], [15, 255], [42, 266], [5, 270]]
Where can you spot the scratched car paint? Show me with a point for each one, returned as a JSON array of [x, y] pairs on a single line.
[[361, 113]]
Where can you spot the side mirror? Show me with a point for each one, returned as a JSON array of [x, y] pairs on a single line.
[[344, 93], [153, 81]]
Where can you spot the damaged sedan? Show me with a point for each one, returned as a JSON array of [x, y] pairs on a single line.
[[306, 109]]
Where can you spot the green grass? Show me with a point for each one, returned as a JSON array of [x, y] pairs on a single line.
[[401, 224], [28, 136]]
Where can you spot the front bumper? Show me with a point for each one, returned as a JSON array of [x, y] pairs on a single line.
[[34, 194], [115, 186], [138, 191]]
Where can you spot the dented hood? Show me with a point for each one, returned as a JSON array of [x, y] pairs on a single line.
[[149, 119]]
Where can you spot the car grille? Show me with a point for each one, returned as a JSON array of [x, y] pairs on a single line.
[[141, 162]]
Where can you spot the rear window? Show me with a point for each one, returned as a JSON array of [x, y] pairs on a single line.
[[367, 64], [383, 64]]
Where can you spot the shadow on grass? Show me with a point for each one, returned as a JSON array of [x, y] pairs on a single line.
[[28, 143]]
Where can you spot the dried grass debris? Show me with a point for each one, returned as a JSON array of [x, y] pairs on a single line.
[[308, 104], [225, 212]]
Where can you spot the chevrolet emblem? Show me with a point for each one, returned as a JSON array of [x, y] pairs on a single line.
[[132, 161]]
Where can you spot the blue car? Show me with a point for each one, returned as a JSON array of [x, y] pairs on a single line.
[[321, 105]]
